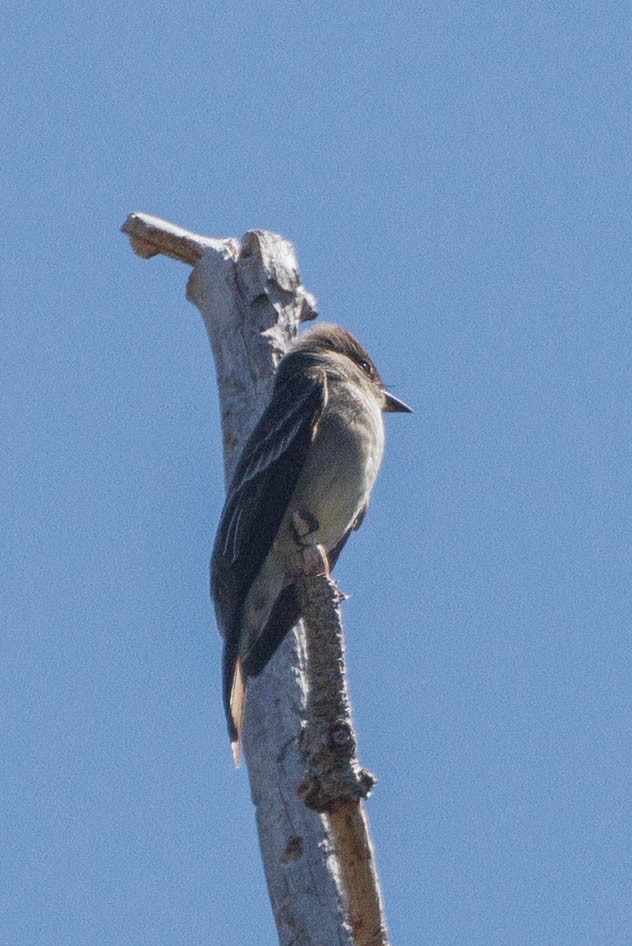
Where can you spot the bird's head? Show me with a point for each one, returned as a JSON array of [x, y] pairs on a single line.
[[333, 347]]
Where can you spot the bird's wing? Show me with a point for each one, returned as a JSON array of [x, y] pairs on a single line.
[[258, 497], [266, 475]]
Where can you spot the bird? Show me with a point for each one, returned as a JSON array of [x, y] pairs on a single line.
[[312, 459]]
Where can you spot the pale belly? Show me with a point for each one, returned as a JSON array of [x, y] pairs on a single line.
[[339, 473], [333, 487]]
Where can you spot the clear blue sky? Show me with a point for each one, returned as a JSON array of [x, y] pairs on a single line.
[[455, 178]]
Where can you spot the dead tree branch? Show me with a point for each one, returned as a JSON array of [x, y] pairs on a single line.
[[319, 867]]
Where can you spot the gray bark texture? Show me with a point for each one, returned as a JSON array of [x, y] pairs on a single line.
[[319, 867]]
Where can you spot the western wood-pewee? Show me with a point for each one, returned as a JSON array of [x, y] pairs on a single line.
[[315, 454]]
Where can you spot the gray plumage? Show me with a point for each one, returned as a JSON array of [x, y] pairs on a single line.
[[316, 451]]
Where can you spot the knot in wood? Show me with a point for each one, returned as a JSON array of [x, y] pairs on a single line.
[[341, 737], [330, 790]]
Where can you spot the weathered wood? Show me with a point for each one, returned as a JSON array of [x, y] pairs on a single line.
[[364, 910], [150, 236], [332, 773], [334, 783], [252, 302]]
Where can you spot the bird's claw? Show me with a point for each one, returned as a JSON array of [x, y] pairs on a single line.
[[305, 527]]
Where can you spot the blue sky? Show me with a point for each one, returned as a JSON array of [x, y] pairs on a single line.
[[455, 178]]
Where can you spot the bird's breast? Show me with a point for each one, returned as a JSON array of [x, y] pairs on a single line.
[[341, 465]]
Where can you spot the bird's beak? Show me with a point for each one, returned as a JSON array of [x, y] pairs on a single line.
[[393, 404]]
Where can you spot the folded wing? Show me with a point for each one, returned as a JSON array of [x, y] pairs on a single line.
[[258, 497]]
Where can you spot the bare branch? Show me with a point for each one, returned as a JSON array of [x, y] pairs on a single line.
[[150, 236], [334, 782], [358, 874], [328, 741]]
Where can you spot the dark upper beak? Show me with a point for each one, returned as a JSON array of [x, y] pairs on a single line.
[[393, 404]]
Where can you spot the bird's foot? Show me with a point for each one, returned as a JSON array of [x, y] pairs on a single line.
[[305, 526], [312, 559]]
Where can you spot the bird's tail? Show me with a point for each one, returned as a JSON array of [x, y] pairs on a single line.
[[237, 708], [234, 692]]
